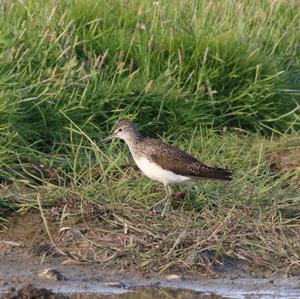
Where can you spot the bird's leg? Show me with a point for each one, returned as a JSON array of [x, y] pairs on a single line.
[[167, 198]]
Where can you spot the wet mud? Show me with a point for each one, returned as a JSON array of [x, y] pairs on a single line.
[[29, 291], [86, 281]]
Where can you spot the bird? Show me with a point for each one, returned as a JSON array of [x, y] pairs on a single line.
[[164, 163]]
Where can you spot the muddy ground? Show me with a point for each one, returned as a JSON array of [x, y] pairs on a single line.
[[26, 254], [19, 266]]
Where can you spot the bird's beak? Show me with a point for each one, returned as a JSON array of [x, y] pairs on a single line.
[[106, 139]]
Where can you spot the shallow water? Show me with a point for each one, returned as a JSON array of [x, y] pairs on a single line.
[[247, 289], [206, 289], [153, 293]]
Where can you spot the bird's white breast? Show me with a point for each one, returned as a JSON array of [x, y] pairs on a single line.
[[157, 173]]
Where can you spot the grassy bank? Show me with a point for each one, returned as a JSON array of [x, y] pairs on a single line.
[[98, 212], [218, 78]]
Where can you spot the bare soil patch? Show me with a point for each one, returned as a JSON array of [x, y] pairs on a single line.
[[27, 229], [286, 158]]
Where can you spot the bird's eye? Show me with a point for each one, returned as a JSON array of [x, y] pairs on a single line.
[[120, 130]]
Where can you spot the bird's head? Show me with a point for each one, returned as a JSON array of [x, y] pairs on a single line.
[[125, 130]]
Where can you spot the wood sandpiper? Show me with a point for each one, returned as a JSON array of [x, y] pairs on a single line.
[[164, 163]]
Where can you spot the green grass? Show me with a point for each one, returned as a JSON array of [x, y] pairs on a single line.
[[218, 78], [254, 218]]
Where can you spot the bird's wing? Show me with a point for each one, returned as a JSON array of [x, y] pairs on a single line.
[[181, 163]]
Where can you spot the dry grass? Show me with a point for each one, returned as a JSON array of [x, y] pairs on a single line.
[[127, 237]]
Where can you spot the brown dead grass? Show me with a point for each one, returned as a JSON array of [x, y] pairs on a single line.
[[131, 239]]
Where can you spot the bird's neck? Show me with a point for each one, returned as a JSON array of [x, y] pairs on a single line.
[[133, 140]]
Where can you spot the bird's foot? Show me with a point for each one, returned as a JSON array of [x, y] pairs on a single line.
[[166, 208]]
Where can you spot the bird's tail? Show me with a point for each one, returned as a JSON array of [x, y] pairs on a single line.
[[215, 173]]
